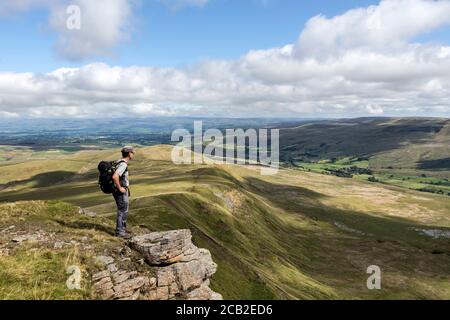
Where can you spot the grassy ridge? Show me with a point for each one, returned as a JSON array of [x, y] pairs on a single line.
[[35, 269]]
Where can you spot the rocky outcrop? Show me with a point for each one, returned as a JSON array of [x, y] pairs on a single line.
[[121, 285], [184, 270], [171, 267]]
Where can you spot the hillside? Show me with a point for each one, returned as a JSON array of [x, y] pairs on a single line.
[[295, 235], [405, 152], [370, 137]]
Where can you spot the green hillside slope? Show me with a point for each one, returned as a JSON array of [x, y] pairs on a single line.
[[295, 235], [366, 137]]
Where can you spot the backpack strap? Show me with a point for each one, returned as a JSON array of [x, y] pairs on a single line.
[[122, 161]]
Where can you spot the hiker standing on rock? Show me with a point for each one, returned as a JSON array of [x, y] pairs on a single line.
[[122, 192]]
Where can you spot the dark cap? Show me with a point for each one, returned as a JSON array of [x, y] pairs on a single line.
[[128, 149]]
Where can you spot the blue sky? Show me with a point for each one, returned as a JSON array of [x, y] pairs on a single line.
[[240, 58], [164, 36]]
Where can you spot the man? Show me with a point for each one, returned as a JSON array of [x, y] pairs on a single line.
[[122, 193]]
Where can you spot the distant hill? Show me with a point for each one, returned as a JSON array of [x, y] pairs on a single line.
[[412, 153], [416, 142]]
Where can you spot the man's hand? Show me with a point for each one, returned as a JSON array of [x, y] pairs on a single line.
[[122, 190], [116, 180]]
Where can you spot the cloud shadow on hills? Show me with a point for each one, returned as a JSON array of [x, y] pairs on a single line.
[[355, 138], [437, 164], [86, 225], [42, 180]]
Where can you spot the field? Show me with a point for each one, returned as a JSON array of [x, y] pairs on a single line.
[[295, 235], [361, 169]]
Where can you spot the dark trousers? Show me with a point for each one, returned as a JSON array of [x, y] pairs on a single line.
[[122, 202]]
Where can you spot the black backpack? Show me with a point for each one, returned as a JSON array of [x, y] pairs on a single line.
[[106, 171]]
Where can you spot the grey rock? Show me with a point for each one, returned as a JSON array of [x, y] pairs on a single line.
[[7, 229], [107, 294], [183, 270], [101, 275], [103, 285], [87, 212], [26, 237], [215, 296], [163, 247], [152, 282], [133, 296], [173, 290], [88, 247], [125, 251], [165, 276], [104, 260], [203, 293], [127, 288], [59, 244], [162, 293], [122, 276], [112, 267]]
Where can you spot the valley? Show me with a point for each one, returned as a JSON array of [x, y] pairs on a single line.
[[294, 235]]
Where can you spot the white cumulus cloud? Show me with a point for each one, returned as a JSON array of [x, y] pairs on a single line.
[[103, 25], [385, 27]]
